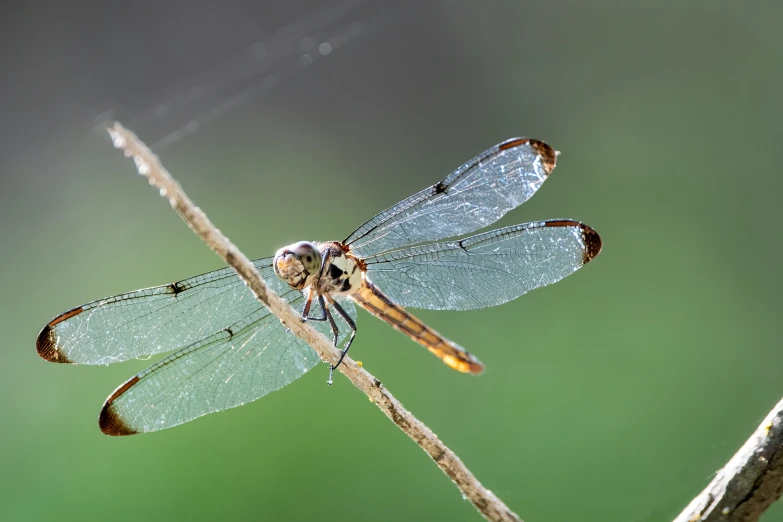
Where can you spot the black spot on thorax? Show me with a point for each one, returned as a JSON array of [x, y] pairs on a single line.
[[335, 272]]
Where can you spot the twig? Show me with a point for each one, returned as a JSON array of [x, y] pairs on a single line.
[[148, 165], [749, 483]]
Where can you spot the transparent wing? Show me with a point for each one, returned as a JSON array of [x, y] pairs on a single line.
[[153, 320], [244, 362], [474, 196], [486, 269]]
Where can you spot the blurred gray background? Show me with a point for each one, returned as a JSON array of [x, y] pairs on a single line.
[[613, 395]]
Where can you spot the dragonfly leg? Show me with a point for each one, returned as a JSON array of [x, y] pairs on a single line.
[[335, 331], [351, 325], [330, 317], [306, 311]]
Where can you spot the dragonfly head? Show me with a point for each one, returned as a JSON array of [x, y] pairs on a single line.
[[298, 264]]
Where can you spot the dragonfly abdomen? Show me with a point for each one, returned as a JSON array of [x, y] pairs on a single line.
[[377, 303]]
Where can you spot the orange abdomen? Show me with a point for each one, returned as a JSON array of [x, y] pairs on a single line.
[[374, 301]]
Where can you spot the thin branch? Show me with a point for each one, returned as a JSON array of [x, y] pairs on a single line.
[[749, 483], [148, 165]]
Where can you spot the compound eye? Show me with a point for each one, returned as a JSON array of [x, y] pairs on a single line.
[[308, 255]]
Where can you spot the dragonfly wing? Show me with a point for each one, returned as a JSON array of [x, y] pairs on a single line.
[[241, 363], [484, 270], [474, 196], [153, 320]]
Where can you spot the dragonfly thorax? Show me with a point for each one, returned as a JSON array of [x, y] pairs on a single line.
[[341, 273]]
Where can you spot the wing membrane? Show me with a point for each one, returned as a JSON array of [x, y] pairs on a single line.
[[474, 196], [154, 320], [486, 269], [244, 362]]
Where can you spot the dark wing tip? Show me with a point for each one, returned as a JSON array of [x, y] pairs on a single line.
[[512, 143], [590, 238], [108, 420], [592, 242], [46, 345], [111, 424], [547, 153]]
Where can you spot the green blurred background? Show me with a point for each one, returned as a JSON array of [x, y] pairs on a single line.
[[613, 395]]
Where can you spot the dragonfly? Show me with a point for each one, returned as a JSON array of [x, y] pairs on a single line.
[[228, 349]]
